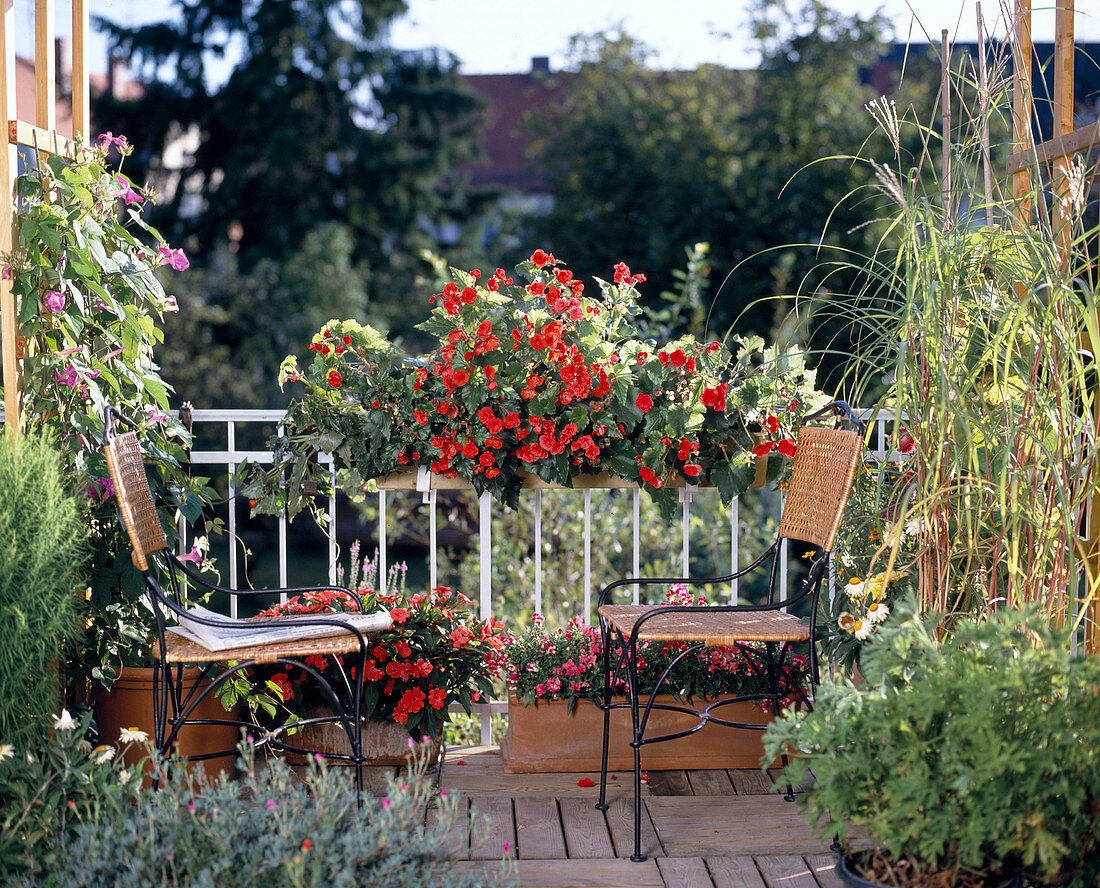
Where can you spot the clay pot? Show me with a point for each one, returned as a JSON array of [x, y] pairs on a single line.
[[129, 704], [385, 743], [546, 737]]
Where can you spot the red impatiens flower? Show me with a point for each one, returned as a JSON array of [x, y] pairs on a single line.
[[787, 448], [772, 424], [693, 470], [541, 258], [335, 379], [763, 449], [644, 403], [437, 698]]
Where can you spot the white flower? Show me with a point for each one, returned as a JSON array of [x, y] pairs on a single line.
[[877, 612], [63, 722], [914, 526], [846, 622], [83, 746], [103, 754], [855, 589], [133, 735], [124, 776], [6, 751], [863, 629]]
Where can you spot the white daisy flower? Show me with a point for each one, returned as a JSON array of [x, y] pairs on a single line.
[[63, 722], [132, 735], [877, 612], [863, 629], [103, 754], [855, 588], [6, 751]]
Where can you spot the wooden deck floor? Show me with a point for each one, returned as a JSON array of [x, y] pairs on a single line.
[[701, 829]]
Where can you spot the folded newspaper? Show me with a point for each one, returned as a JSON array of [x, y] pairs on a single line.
[[233, 633]]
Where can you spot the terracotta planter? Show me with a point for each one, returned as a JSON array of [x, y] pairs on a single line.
[[547, 738], [385, 743], [129, 704]]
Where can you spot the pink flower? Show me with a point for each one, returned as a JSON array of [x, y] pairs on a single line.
[[67, 376], [175, 258], [126, 192], [193, 556], [171, 305], [107, 139], [156, 415], [54, 301], [5, 273]]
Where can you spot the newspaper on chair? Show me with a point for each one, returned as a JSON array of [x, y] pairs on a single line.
[[233, 633]]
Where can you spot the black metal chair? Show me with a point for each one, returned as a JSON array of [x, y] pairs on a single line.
[[174, 703], [825, 463]]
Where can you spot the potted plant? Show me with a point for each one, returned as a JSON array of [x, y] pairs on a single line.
[[85, 277], [556, 685], [533, 379], [437, 653], [964, 761]]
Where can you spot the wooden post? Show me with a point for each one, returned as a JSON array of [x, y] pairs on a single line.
[[45, 66], [1021, 108], [9, 327], [81, 108], [1062, 211]]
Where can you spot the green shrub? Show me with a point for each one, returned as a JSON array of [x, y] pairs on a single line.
[[42, 552], [980, 754], [269, 829]]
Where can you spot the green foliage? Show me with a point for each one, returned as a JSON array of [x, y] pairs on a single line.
[[50, 789], [977, 754], [319, 120], [269, 828], [91, 305], [42, 554], [237, 325]]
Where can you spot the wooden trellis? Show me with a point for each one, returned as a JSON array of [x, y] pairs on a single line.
[[41, 135], [1057, 153]]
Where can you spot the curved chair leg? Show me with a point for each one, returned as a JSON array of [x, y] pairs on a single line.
[[601, 804]]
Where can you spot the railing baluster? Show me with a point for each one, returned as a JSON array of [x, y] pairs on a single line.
[[433, 535], [382, 541], [485, 537], [587, 557], [231, 445], [538, 551], [735, 534], [636, 508], [685, 522], [282, 543]]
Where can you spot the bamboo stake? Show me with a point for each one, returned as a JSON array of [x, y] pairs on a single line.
[[983, 113], [1062, 215], [945, 103]]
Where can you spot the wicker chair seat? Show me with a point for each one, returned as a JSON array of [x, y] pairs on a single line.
[[712, 627], [183, 650]]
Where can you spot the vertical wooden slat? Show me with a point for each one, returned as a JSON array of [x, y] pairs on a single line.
[[9, 329], [81, 98], [1063, 126], [1021, 108], [45, 65]]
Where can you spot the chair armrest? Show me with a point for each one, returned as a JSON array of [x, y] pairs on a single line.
[[689, 581], [198, 578]]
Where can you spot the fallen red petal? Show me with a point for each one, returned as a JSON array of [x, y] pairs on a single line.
[[585, 782]]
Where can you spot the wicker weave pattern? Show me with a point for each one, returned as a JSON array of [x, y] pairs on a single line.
[[135, 501], [183, 650], [824, 466], [705, 625]]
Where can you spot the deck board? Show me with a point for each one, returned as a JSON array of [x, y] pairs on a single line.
[[700, 829], [586, 833], [538, 829]]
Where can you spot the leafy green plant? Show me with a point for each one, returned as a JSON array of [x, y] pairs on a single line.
[[541, 379], [977, 755], [89, 306], [50, 788], [42, 554], [272, 829]]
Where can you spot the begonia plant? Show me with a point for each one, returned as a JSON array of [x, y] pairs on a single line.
[[536, 378]]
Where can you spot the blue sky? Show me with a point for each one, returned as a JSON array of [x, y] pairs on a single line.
[[499, 36]]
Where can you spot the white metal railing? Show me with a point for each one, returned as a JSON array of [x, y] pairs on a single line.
[[428, 486]]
